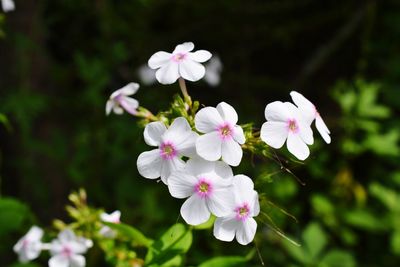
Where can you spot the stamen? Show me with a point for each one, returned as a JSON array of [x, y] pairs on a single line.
[[203, 188], [242, 212], [225, 131], [292, 126], [168, 150], [179, 57]]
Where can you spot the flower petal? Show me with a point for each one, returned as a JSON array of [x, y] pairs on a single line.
[[207, 120], [66, 235], [221, 202], [118, 110], [305, 132], [168, 73], [243, 187], [159, 59], [188, 146], [178, 131], [274, 133], [181, 184], [191, 70], [200, 56], [223, 170], [246, 232], [34, 234], [225, 228], [323, 129], [255, 208], [153, 132], [297, 147], [147, 75], [58, 261], [129, 104], [194, 211], [149, 164], [238, 135], [231, 152], [169, 166], [109, 106], [208, 146], [183, 48], [198, 166], [277, 111], [301, 101], [8, 5], [127, 90], [77, 261], [227, 112]]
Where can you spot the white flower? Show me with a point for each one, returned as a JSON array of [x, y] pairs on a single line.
[[222, 136], [113, 217], [284, 121], [179, 140], [208, 187], [240, 222], [181, 63], [8, 5], [119, 100], [310, 113], [29, 246], [147, 75], [213, 71], [67, 250]]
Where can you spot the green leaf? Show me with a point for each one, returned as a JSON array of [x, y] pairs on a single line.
[[207, 225], [4, 120], [364, 220], [337, 258], [130, 232], [315, 240], [395, 242], [228, 261], [168, 249], [12, 215]]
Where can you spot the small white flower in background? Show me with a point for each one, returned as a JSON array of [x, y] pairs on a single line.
[[310, 113], [240, 221], [208, 187], [67, 250], [113, 217], [8, 5], [30, 245], [181, 63], [285, 121], [173, 143], [213, 71], [120, 100], [147, 75], [222, 137]]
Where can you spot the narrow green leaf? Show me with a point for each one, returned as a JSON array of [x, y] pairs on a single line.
[[130, 232], [337, 258], [228, 261]]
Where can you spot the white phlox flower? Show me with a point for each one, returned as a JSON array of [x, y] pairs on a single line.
[[173, 143], [67, 250], [222, 137], [240, 221], [310, 113], [284, 121], [120, 100], [147, 75], [113, 217], [208, 187], [29, 246], [181, 63], [7, 5], [213, 71]]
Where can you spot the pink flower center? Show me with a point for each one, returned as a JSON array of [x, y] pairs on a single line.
[[203, 188], [225, 131], [66, 251], [168, 151], [25, 243], [242, 212], [179, 57], [293, 126]]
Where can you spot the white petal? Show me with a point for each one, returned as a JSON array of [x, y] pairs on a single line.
[[198, 166], [297, 147], [129, 89], [66, 235], [8, 5], [33, 251], [129, 104], [305, 132], [34, 234], [58, 261], [323, 129], [153, 132], [246, 232], [277, 111], [231, 152], [168, 73], [113, 217], [274, 133], [188, 146], [194, 211], [200, 56], [178, 131], [221, 202], [159, 59], [181, 184], [109, 106], [147, 76], [243, 187], [223, 170], [227, 112], [238, 135], [225, 228], [255, 208], [300, 100], [183, 48], [191, 70], [208, 146], [149, 164], [118, 110], [207, 120], [78, 246], [169, 166], [77, 261]]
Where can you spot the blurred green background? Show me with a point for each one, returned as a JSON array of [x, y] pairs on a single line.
[[60, 61]]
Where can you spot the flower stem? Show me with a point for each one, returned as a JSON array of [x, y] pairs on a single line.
[[185, 94]]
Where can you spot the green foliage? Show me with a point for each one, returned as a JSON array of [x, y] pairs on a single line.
[[13, 214]]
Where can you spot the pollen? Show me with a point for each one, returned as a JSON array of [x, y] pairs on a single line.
[[225, 131], [292, 125], [242, 212], [203, 188], [168, 150]]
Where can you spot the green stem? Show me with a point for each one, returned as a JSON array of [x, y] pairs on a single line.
[[185, 94]]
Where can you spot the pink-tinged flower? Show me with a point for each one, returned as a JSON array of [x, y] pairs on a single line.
[[208, 187], [222, 137], [173, 143], [120, 100], [7, 5], [213, 71], [181, 63], [310, 113], [284, 121], [67, 250], [29, 246], [240, 221], [113, 217]]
